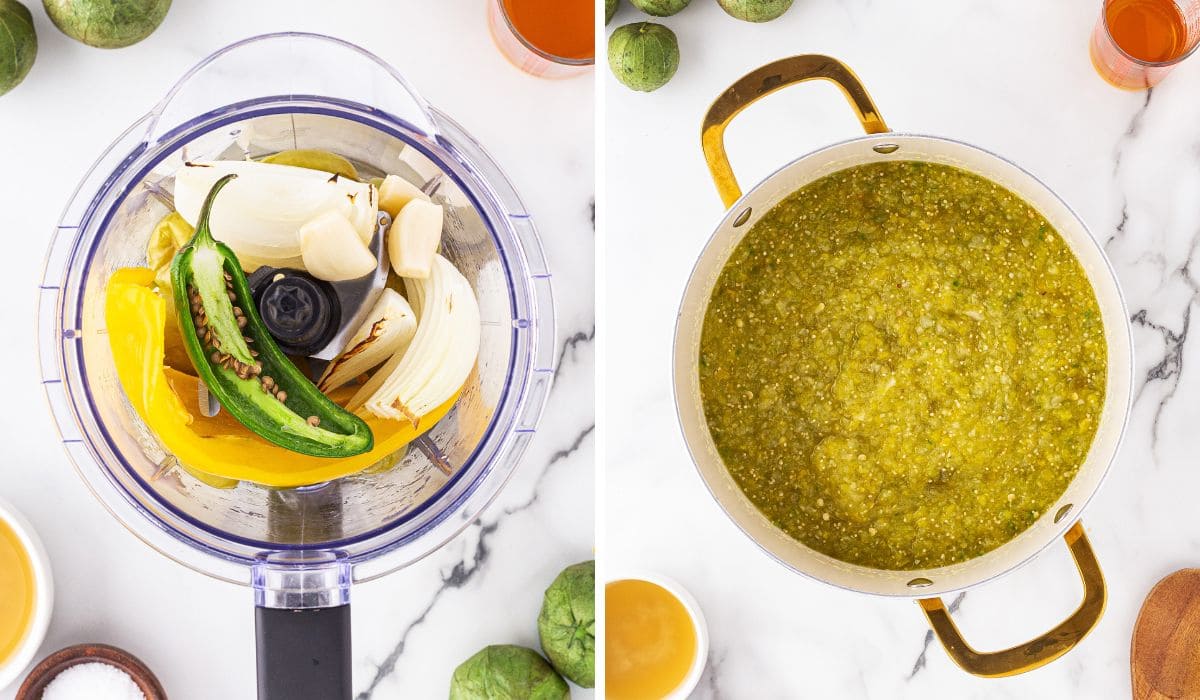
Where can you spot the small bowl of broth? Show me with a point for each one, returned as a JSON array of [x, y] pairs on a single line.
[[26, 594], [656, 639], [546, 38]]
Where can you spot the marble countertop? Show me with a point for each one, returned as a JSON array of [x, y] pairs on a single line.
[[410, 628], [1014, 78]]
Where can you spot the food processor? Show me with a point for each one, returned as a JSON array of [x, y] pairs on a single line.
[[300, 549]]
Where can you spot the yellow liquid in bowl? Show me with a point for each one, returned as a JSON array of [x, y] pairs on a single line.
[[17, 592], [650, 641]]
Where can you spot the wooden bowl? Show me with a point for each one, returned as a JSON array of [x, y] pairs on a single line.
[[46, 671]]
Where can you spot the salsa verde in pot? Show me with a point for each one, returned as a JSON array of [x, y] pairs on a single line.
[[903, 365]]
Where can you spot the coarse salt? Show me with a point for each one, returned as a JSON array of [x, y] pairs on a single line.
[[92, 681]]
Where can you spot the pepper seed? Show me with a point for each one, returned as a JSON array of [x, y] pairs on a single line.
[[282, 396], [314, 421], [241, 321]]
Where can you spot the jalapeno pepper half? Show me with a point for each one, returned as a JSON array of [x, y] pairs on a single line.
[[240, 363]]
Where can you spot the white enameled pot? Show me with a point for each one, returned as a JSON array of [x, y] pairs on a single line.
[[744, 210]]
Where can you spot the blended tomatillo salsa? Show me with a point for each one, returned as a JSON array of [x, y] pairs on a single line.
[[903, 365]]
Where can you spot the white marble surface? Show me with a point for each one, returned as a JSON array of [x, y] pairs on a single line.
[[413, 627], [1012, 77]]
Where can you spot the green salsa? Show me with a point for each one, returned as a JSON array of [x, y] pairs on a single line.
[[903, 365]]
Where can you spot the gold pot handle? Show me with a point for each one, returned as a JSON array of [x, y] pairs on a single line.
[[762, 82], [1045, 648]]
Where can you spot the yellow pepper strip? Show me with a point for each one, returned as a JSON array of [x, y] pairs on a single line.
[[169, 235], [220, 446]]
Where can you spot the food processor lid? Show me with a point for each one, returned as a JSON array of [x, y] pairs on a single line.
[[327, 76], [208, 88]]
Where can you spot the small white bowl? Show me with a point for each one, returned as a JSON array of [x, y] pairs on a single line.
[[43, 603], [692, 679]]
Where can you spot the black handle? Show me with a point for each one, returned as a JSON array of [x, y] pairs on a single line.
[[303, 654]]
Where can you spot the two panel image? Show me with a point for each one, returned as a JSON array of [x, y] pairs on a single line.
[[640, 350]]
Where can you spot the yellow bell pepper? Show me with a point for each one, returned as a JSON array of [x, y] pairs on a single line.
[[169, 235], [219, 447]]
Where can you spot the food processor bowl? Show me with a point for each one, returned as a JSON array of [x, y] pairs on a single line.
[[300, 548]]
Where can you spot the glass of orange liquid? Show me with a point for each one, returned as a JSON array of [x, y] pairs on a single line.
[[1137, 42], [546, 38]]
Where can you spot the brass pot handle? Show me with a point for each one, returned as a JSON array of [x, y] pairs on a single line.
[[1045, 648], [762, 82]]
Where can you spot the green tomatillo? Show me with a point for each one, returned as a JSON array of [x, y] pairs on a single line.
[[660, 8], [507, 672], [18, 44], [107, 24], [567, 623], [755, 10], [643, 56]]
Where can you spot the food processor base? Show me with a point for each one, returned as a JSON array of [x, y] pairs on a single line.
[[304, 654]]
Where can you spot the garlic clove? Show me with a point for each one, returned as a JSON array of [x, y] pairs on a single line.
[[414, 237], [332, 250], [395, 192]]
